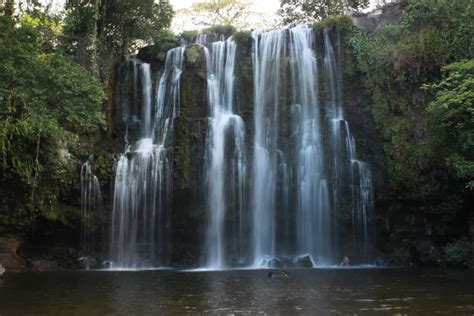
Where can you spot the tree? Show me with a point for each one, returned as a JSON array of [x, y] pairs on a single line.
[[310, 11], [47, 102], [219, 12], [80, 32], [99, 32], [453, 109]]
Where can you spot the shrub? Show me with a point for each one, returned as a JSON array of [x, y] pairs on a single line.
[[226, 30], [460, 253], [241, 37]]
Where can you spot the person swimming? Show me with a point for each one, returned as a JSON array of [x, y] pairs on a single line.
[[283, 274]]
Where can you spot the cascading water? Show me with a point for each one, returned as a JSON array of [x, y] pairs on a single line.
[[292, 177], [346, 166], [225, 150], [91, 205], [267, 74], [272, 157], [144, 172], [302, 175]]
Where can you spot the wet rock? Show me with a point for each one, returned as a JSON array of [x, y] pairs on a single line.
[[41, 265], [425, 252], [304, 262], [276, 263], [8, 255]]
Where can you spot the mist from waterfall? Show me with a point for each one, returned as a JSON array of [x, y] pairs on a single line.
[[143, 178]]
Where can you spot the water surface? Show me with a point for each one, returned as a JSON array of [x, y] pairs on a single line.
[[312, 292]]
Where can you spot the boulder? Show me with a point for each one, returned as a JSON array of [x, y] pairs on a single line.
[[8, 255], [275, 263], [303, 262]]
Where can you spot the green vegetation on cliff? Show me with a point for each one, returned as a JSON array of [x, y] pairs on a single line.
[[419, 77], [396, 63], [48, 103], [453, 111]]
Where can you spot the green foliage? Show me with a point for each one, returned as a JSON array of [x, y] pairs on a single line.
[[101, 31], [453, 109], [341, 21], [193, 54], [189, 35], [46, 103], [460, 254], [226, 30], [48, 26], [163, 41], [80, 32], [311, 11], [241, 37], [395, 64]]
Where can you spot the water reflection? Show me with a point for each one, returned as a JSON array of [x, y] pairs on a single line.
[[315, 292]]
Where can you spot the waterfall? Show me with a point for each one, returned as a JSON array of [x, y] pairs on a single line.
[[276, 54], [268, 50], [298, 181], [288, 188], [344, 153], [143, 178], [91, 205], [313, 218], [225, 151]]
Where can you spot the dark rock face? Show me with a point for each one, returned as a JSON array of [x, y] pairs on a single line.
[[188, 213], [44, 266], [425, 252], [372, 21], [304, 262]]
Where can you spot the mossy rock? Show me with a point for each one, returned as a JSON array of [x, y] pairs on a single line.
[[242, 37], [193, 55]]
